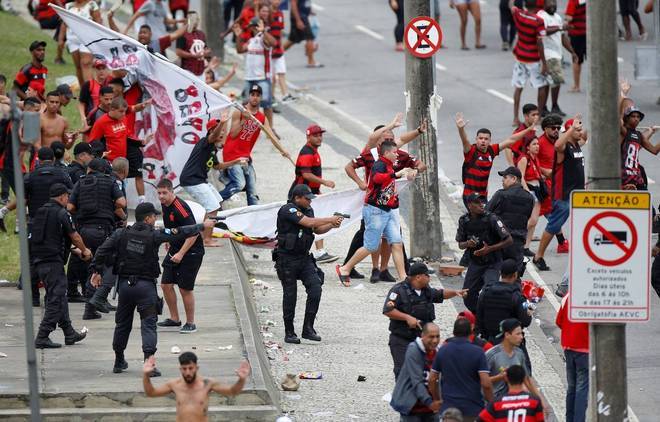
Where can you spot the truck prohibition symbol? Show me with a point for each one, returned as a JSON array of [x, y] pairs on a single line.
[[604, 240]]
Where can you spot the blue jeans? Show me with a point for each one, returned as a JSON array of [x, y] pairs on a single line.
[[577, 393], [240, 178]]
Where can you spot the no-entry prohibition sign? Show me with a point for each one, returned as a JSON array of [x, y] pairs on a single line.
[[606, 236], [423, 37]]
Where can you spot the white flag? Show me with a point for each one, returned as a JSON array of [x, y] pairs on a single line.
[[182, 103]]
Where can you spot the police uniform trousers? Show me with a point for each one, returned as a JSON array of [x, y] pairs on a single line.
[[478, 276], [398, 346], [140, 295], [93, 235], [515, 251], [56, 305], [290, 269]]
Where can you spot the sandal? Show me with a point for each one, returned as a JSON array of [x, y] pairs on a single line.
[[480, 46], [345, 280]]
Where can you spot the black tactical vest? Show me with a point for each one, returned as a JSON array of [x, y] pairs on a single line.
[[498, 304], [418, 306], [138, 253], [46, 238], [41, 179], [294, 239], [478, 228], [514, 210], [95, 203]]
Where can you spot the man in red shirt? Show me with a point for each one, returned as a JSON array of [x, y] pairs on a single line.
[[243, 134], [530, 118], [381, 213], [530, 60], [33, 75], [576, 15], [575, 342], [517, 404], [111, 129], [90, 92], [190, 47]]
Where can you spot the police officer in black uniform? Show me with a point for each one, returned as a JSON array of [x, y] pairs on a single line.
[[138, 268], [95, 201], [514, 206], [51, 235], [296, 226], [82, 154], [500, 301], [409, 305], [484, 236], [37, 187]]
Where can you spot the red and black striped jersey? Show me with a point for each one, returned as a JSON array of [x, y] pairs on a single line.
[[32, 76], [369, 156], [309, 161], [519, 406], [476, 169], [577, 10], [276, 28], [529, 27]]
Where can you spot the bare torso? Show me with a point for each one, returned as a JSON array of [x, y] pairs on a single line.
[[192, 400], [53, 129]]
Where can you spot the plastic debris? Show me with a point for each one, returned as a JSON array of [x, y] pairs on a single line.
[[387, 397], [362, 378], [175, 350], [260, 283], [268, 335], [208, 349], [84, 330], [311, 375], [3, 355], [446, 259], [270, 323], [551, 339], [359, 287], [264, 309], [290, 383], [353, 416], [225, 347], [293, 397], [283, 419], [323, 414], [273, 345], [9, 325]]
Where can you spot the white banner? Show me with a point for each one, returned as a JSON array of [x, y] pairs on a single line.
[[182, 103], [260, 221]]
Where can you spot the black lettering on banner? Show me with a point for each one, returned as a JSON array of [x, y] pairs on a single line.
[[190, 138], [128, 49]]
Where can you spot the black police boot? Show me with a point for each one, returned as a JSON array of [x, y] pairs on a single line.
[[43, 342], [290, 335], [308, 331], [120, 364], [90, 312], [72, 336]]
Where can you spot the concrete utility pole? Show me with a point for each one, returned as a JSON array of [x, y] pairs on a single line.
[[608, 399], [214, 25], [425, 226], [33, 379]]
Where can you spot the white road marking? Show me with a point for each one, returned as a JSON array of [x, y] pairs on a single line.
[[499, 95], [369, 32], [317, 7], [440, 67]]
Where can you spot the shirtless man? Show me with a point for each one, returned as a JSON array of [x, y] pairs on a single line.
[[54, 125], [191, 392]]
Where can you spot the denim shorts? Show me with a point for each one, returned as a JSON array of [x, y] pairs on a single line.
[[206, 195], [378, 224], [558, 216], [266, 93]]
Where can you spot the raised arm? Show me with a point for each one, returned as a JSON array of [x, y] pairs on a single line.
[[646, 141], [243, 371], [460, 125], [376, 134], [413, 134], [149, 389]]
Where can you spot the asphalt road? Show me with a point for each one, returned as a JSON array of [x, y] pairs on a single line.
[[364, 77]]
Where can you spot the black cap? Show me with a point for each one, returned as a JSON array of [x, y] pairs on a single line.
[[98, 147], [257, 88], [64, 89], [631, 110], [508, 325], [57, 189], [37, 44], [418, 268], [511, 171], [551, 120], [254, 21], [509, 267], [58, 149], [97, 164], [45, 154], [302, 190], [475, 197], [144, 209], [82, 147]]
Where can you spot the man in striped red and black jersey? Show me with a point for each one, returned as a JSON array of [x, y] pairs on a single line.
[[576, 15], [479, 157], [279, 63], [310, 173], [531, 117], [517, 404], [183, 259], [567, 176], [530, 62], [33, 75], [632, 142]]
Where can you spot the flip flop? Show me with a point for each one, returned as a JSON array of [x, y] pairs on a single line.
[[465, 48], [480, 46], [345, 280]]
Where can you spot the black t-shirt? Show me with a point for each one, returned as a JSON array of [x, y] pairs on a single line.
[[178, 214], [202, 158]]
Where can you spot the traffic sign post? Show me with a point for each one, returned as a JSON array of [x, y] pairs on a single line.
[[423, 37], [610, 256]]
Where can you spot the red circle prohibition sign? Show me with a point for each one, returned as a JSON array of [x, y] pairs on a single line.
[[594, 224], [423, 37]]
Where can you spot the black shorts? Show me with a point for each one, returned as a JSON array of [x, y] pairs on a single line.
[[182, 274], [628, 7], [51, 23], [296, 35], [579, 44], [135, 159], [8, 175]]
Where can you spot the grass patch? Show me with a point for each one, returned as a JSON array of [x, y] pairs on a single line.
[[17, 34]]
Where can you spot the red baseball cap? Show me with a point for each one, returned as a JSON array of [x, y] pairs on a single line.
[[568, 124], [314, 129], [467, 315], [99, 63], [212, 123]]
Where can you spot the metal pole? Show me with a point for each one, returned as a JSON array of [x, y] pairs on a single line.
[[214, 26], [608, 399], [25, 264], [425, 226]]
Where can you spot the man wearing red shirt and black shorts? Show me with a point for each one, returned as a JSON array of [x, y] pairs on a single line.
[[576, 14], [309, 172], [183, 259], [33, 75]]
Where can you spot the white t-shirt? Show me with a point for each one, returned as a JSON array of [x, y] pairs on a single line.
[[552, 47], [257, 59]]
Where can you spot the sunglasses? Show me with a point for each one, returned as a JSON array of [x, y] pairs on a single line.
[[554, 127]]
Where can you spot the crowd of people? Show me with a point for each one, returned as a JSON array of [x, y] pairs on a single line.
[[79, 237]]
